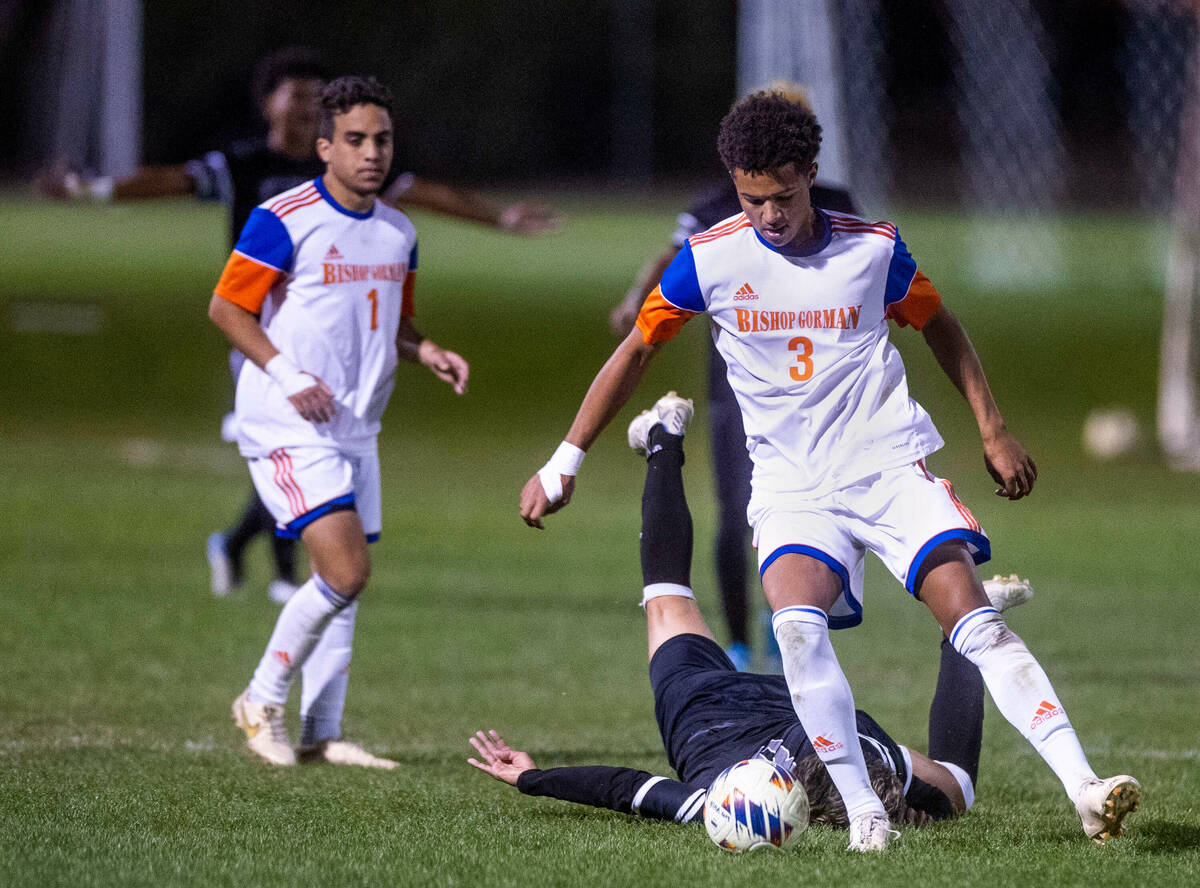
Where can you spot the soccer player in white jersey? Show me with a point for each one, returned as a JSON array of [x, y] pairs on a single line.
[[318, 295], [799, 300]]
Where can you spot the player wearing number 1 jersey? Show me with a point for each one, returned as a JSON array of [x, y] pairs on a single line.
[[318, 295], [799, 300]]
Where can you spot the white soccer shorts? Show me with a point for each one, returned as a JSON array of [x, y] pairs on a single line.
[[901, 515], [300, 484]]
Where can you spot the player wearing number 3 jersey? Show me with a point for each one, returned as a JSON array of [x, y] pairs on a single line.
[[804, 334], [318, 295], [799, 300]]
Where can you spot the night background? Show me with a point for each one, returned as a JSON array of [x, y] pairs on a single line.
[[545, 91]]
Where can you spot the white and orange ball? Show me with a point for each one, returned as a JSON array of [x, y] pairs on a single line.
[[755, 804]]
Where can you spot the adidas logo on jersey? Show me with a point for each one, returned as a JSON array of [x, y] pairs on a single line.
[[333, 253], [824, 746], [1045, 712], [745, 291]]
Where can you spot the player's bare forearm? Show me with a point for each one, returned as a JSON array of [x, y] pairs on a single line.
[[155, 181], [439, 198], [1006, 460], [954, 352], [307, 393], [609, 391], [446, 365], [62, 181], [242, 329], [613, 386]]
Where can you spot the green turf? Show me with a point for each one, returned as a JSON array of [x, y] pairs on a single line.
[[118, 764]]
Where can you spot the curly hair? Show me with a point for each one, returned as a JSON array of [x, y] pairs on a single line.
[[825, 803], [342, 94], [292, 63], [766, 131]]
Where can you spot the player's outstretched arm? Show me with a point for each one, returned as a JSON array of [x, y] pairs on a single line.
[[63, 182], [1006, 460], [602, 786], [551, 488], [450, 367], [519, 218]]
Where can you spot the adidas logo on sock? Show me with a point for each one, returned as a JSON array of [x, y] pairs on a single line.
[[283, 657], [824, 746], [1045, 712], [745, 291], [333, 253]]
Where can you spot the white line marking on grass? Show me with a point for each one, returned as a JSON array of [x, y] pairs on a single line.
[[142, 452], [146, 453], [71, 318], [77, 741]]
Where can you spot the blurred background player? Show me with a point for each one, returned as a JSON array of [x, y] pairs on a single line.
[[839, 447], [286, 85], [710, 715], [318, 295], [731, 463]]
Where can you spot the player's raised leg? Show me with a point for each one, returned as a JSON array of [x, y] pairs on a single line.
[[801, 590], [1020, 688], [341, 568], [666, 538]]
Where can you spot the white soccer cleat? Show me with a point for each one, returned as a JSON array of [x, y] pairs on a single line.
[[220, 568], [1006, 592], [871, 832], [279, 591], [672, 411], [1102, 806], [342, 752], [266, 734]]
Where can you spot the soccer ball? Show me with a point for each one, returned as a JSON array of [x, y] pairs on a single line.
[[755, 804], [1111, 433]]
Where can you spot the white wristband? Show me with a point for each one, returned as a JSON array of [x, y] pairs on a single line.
[[566, 461], [288, 376]]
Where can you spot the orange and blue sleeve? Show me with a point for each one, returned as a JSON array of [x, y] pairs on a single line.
[[408, 306], [909, 299], [262, 256], [675, 301]]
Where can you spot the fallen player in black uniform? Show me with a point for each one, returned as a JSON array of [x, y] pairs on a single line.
[[710, 715]]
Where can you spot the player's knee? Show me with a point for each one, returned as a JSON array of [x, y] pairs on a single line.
[[983, 632], [349, 576]]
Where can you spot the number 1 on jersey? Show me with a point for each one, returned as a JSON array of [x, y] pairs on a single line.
[[374, 297], [804, 347]]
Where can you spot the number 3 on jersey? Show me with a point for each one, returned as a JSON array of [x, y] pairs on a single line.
[[374, 297], [803, 347]]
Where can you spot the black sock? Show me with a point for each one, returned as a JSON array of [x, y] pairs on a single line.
[[255, 520], [666, 520], [956, 714], [284, 550]]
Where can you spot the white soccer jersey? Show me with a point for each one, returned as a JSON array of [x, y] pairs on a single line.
[[822, 391], [330, 286]]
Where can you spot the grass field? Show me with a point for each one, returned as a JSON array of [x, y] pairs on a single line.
[[118, 763]]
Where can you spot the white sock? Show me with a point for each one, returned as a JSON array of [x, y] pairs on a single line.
[[1022, 692], [822, 699], [325, 678], [658, 590], [297, 632]]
